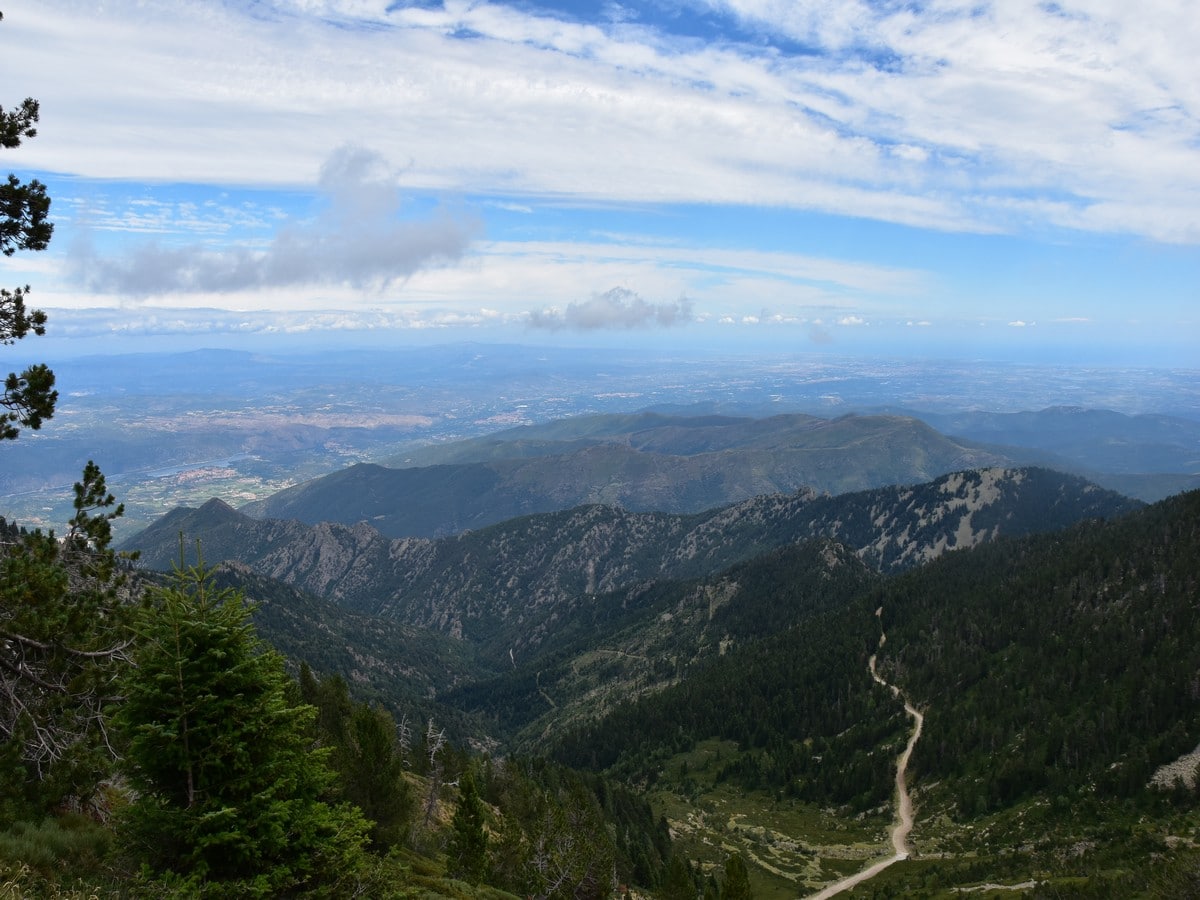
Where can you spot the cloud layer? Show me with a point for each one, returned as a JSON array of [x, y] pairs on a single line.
[[947, 114], [820, 167]]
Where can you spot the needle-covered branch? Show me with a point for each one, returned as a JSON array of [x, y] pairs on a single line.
[[29, 397], [64, 638]]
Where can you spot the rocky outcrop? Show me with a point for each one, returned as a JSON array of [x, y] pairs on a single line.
[[467, 584]]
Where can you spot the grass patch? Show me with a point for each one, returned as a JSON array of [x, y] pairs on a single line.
[[791, 848]]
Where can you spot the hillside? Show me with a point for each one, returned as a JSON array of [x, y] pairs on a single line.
[[717, 663], [647, 637], [496, 586], [400, 665], [1056, 674], [645, 462]]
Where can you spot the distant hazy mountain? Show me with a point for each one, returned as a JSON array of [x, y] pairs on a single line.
[[1147, 456], [644, 462], [494, 586]]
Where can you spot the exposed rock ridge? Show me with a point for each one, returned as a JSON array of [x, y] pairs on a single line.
[[465, 584]]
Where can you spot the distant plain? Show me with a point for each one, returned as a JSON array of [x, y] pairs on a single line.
[[176, 429]]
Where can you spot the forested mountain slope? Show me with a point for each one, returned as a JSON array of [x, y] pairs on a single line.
[[1096, 630], [644, 462], [486, 585], [1056, 673], [648, 636]]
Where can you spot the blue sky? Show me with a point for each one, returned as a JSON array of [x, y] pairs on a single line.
[[1011, 179]]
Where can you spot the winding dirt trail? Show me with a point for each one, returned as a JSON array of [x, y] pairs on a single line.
[[904, 810]]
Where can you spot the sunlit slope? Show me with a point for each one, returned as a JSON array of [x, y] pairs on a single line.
[[643, 463]]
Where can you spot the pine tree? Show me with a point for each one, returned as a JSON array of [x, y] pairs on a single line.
[[737, 879], [365, 753], [229, 783], [63, 639], [468, 839], [679, 883], [29, 397]]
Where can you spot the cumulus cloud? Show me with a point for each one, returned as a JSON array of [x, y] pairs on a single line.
[[616, 308], [360, 239]]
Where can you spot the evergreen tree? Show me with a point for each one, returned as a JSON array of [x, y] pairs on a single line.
[[679, 883], [63, 639], [737, 879], [30, 396], [365, 753], [228, 782], [468, 839]]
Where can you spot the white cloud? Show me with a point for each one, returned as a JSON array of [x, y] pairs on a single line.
[[941, 116], [361, 240], [615, 308], [209, 321]]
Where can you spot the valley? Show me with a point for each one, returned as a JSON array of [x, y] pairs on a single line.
[[731, 666], [865, 655]]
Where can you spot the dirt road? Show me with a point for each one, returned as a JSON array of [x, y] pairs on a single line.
[[904, 810]]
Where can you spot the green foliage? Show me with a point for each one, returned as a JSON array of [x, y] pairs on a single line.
[[553, 838], [29, 397], [63, 640], [365, 755], [680, 883], [48, 846], [228, 783], [736, 885], [467, 850], [62, 857]]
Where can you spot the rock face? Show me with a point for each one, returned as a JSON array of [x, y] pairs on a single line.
[[472, 583]]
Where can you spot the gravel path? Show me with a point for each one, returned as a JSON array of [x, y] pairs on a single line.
[[904, 809]]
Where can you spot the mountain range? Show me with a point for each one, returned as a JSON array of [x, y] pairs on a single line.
[[717, 661], [643, 462], [679, 463], [495, 586]]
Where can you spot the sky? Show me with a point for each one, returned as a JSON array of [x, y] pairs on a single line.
[[1016, 180]]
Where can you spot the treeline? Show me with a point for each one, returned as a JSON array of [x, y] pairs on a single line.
[[151, 744]]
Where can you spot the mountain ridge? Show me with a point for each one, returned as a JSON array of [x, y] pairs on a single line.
[[483, 584], [644, 462]]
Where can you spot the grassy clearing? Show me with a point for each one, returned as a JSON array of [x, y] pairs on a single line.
[[1081, 848], [791, 848]]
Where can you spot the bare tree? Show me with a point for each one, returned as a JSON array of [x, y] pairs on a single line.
[[435, 740]]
